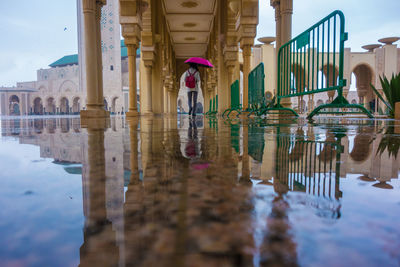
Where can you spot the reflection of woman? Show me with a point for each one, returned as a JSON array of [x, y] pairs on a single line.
[[191, 148]]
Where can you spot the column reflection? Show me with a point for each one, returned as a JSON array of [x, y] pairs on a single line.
[[100, 244]]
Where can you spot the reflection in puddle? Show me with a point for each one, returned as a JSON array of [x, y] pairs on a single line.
[[184, 192]]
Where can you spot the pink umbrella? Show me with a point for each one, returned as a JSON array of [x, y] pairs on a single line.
[[200, 61]]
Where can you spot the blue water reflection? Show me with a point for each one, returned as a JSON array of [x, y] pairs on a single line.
[[195, 192]]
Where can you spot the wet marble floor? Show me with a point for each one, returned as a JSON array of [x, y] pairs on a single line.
[[179, 192]]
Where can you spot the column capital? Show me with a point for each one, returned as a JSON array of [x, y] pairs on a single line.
[[132, 41], [286, 6], [246, 44], [275, 3], [89, 5], [148, 55]]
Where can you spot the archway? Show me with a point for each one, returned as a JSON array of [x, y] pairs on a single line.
[[51, 106], [65, 125], [298, 84], [363, 78], [38, 106], [64, 106], [38, 125], [76, 105], [330, 79], [14, 106], [320, 102]]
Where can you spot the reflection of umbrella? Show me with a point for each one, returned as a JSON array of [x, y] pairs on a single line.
[[199, 61]]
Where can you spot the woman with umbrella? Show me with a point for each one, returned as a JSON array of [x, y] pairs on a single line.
[[193, 82]]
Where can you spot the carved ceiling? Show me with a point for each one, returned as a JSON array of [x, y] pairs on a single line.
[[189, 23]]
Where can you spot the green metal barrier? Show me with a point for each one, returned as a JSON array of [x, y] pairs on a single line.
[[256, 89], [310, 166], [313, 63], [235, 137], [214, 105], [235, 99], [256, 142], [210, 109]]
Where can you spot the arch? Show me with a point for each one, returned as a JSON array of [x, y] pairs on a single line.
[[353, 101], [68, 86], [38, 125], [298, 78], [65, 125], [38, 106], [114, 104], [76, 105], [64, 105], [320, 102], [364, 77], [330, 79], [51, 125], [50, 106], [14, 107]]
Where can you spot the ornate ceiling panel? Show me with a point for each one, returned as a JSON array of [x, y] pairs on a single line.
[[189, 24]]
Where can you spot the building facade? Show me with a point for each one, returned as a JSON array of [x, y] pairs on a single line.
[[61, 89]]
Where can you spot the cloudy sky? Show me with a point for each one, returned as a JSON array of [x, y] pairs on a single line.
[[33, 32]]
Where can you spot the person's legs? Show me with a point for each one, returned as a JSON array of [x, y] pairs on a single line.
[[194, 103], [190, 101]]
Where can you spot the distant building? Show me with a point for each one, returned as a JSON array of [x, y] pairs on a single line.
[[61, 88]]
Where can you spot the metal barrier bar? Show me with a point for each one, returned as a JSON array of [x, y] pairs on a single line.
[[214, 110], [235, 99]]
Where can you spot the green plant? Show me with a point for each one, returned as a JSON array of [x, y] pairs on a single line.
[[389, 141], [391, 90]]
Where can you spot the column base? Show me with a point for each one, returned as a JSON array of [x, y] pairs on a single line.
[[148, 113], [132, 114], [94, 113], [286, 103]]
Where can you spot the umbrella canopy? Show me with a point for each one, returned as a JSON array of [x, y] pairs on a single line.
[[200, 61]]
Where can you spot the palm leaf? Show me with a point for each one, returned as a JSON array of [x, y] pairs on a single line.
[[381, 97], [391, 90]]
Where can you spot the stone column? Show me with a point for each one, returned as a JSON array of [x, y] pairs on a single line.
[[133, 125], [148, 108], [94, 106], [246, 70], [132, 80], [278, 28], [286, 8], [89, 13]]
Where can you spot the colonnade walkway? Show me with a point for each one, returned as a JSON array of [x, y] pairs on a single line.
[[170, 31]]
